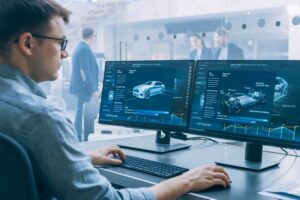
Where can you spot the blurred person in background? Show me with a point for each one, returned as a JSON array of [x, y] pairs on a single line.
[[84, 82], [226, 50], [200, 51]]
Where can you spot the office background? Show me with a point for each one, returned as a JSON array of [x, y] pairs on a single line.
[[157, 30]]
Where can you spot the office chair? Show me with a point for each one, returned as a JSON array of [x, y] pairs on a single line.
[[16, 174]]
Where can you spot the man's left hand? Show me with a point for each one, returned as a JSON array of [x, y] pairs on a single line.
[[107, 155]]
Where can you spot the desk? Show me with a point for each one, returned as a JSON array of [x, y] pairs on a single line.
[[245, 184]]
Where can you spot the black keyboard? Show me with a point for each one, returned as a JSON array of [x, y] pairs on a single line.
[[152, 167]]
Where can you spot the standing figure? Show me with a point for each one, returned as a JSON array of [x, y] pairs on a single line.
[[84, 79], [225, 49], [200, 51]]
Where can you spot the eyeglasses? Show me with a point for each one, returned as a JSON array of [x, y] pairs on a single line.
[[63, 43]]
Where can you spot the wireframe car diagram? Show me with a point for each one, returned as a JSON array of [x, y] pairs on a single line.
[[281, 88], [149, 89], [236, 104]]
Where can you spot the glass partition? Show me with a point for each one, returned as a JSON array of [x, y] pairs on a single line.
[[180, 29]]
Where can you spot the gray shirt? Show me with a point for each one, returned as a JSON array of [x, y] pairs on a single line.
[[61, 169]]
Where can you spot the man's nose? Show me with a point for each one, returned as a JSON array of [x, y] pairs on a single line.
[[64, 54]]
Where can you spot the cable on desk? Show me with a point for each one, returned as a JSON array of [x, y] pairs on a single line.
[[182, 136], [296, 153], [235, 143], [285, 151], [293, 163], [283, 158], [203, 138], [270, 176]]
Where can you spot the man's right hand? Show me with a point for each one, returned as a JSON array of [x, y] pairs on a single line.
[[207, 176], [197, 179]]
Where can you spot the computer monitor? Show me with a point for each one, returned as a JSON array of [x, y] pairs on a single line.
[[150, 95], [253, 101]]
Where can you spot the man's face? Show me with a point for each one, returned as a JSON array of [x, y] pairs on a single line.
[[195, 42], [219, 40], [48, 56]]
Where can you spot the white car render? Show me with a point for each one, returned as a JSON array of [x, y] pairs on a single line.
[[149, 89]]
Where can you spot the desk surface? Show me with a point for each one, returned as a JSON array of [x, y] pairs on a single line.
[[245, 184]]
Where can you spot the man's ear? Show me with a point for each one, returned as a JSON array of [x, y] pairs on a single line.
[[26, 43]]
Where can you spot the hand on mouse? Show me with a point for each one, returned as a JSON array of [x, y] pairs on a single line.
[[200, 178], [207, 176], [107, 155]]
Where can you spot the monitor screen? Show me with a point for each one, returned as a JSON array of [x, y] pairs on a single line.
[[253, 101], [147, 94]]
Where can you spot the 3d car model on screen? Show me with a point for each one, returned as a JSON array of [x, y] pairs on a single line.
[[149, 89], [281, 88], [236, 104]]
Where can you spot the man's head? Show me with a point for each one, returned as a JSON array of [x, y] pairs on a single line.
[[87, 33], [32, 36], [196, 41], [221, 37]]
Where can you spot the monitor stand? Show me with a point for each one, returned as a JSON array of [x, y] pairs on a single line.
[[253, 159], [162, 144]]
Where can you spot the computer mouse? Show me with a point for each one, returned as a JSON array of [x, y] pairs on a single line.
[[217, 187]]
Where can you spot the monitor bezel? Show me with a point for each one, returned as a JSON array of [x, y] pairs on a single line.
[[150, 126], [249, 138], [242, 138]]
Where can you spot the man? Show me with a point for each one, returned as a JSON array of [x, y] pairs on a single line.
[[84, 81], [200, 51], [32, 47], [225, 49]]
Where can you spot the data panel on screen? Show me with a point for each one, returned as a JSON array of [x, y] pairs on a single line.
[[146, 93], [255, 99]]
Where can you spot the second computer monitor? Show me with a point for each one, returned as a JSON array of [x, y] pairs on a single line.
[[252, 101], [255, 101]]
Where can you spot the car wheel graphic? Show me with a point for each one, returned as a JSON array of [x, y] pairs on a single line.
[[238, 108], [147, 95]]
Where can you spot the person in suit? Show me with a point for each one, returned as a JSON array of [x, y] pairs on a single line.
[[84, 80], [225, 49], [200, 51]]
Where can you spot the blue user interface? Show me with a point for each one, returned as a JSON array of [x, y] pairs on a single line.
[[153, 94], [247, 99]]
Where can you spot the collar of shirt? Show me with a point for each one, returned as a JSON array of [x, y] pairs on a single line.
[[224, 53], [198, 54], [12, 73]]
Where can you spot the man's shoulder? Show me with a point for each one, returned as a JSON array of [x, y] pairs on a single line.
[[82, 49], [235, 52], [234, 47], [20, 98], [82, 46], [22, 111]]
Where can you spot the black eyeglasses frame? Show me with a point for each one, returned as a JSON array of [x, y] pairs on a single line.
[[63, 44]]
